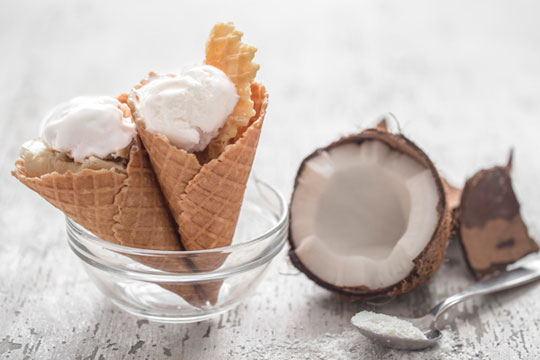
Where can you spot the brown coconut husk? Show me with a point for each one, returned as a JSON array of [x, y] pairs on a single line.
[[492, 232], [430, 259]]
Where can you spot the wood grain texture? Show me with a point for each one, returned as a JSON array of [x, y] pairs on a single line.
[[462, 77]]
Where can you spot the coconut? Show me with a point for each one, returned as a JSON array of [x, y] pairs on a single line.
[[369, 215], [492, 232]]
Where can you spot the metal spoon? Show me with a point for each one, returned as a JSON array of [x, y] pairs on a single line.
[[518, 274]]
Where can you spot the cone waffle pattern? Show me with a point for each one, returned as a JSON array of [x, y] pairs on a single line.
[[173, 167], [206, 206], [124, 209], [143, 219], [227, 52], [86, 196], [212, 200], [205, 200]]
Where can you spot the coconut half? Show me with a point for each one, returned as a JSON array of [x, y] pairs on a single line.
[[369, 215]]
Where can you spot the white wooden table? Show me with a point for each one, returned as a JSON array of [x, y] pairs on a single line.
[[463, 77]]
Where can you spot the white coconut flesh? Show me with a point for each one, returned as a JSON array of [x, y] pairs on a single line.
[[362, 213]]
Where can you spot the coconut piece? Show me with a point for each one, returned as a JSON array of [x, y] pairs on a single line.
[[369, 216], [492, 231], [453, 197]]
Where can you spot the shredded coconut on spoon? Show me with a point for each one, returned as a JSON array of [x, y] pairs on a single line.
[[386, 325]]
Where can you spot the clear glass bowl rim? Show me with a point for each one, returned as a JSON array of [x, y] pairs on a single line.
[[281, 223]]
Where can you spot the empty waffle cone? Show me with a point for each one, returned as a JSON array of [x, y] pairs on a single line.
[[123, 208], [205, 199]]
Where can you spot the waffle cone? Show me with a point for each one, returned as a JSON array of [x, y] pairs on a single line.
[[211, 201], [86, 196], [226, 51], [205, 199], [142, 219], [124, 208]]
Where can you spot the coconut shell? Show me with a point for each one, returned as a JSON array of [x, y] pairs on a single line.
[[491, 229], [432, 256], [453, 197]]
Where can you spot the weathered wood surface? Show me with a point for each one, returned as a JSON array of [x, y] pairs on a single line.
[[463, 78]]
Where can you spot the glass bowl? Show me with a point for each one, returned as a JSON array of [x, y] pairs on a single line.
[[188, 286]]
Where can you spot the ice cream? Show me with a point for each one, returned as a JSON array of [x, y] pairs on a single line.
[[39, 160], [89, 126], [188, 108]]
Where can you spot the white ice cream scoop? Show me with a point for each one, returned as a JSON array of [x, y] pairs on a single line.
[[88, 126], [188, 108]]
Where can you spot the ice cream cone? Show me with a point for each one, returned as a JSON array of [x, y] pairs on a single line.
[[123, 208], [86, 196], [204, 191], [205, 199], [211, 201]]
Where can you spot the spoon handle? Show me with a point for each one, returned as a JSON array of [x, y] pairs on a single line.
[[521, 275]]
